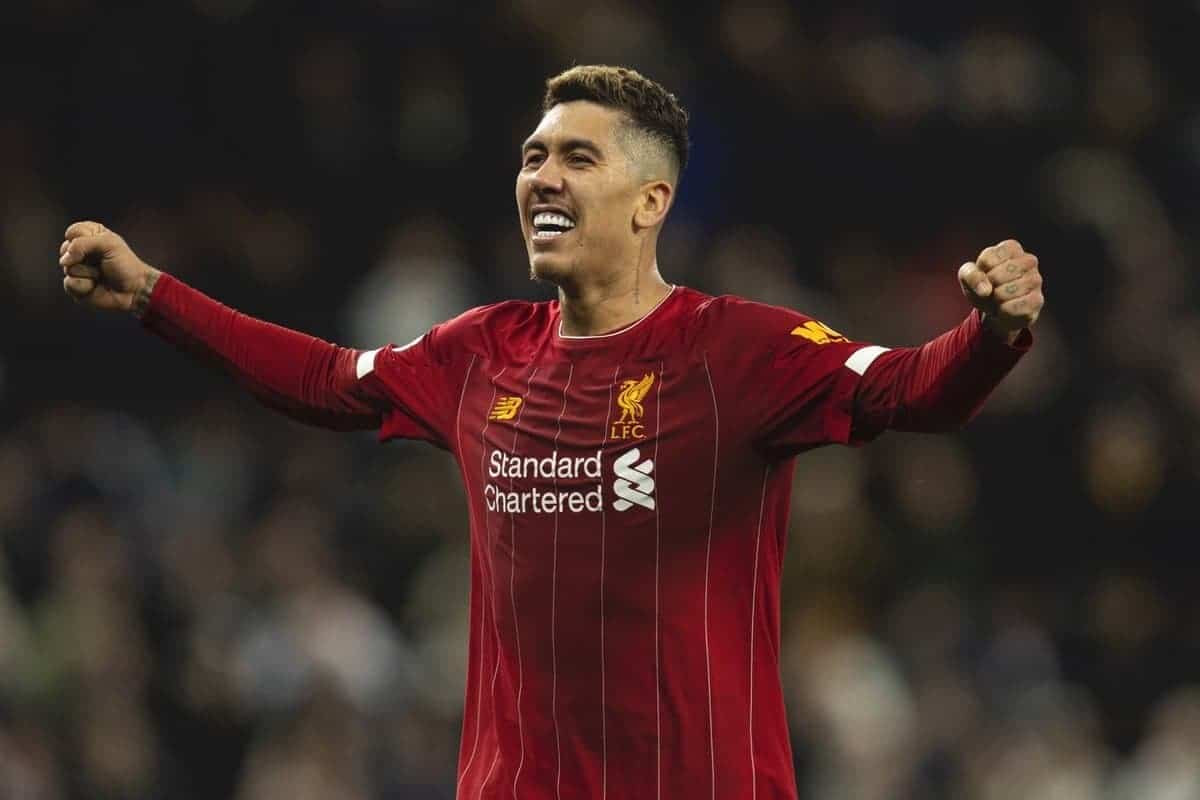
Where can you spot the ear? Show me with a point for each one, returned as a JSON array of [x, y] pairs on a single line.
[[654, 200]]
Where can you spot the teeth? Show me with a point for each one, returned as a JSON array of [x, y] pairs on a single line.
[[550, 218]]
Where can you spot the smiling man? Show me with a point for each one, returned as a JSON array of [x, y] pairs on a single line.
[[597, 179], [627, 452]]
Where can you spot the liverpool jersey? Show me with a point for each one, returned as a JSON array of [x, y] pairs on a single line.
[[628, 498]]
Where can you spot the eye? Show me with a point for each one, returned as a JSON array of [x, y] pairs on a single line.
[[532, 159], [578, 158]]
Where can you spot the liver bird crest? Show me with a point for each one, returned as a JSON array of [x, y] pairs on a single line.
[[631, 396]]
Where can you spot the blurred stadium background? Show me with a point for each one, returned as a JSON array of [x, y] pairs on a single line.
[[200, 600]]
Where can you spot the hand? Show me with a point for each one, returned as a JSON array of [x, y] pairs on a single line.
[[1005, 285], [101, 271]]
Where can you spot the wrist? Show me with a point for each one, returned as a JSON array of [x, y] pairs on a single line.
[[142, 295], [992, 326]]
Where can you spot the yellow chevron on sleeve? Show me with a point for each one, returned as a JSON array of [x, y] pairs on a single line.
[[818, 333]]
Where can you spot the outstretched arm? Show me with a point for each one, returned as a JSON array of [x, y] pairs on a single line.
[[304, 377], [943, 384]]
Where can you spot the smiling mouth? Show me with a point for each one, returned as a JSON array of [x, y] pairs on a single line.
[[549, 225]]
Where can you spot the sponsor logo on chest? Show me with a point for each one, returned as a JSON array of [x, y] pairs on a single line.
[[557, 483], [632, 483]]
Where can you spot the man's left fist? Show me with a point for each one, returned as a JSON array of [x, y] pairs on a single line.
[[1005, 285]]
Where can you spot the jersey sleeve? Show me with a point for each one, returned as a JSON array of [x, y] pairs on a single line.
[[422, 382], [787, 380], [304, 377], [406, 392]]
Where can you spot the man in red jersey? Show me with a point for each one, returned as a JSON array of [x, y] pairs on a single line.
[[627, 452]]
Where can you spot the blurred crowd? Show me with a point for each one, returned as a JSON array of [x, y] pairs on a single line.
[[201, 600]]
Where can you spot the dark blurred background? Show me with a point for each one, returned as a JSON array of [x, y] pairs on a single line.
[[201, 600]]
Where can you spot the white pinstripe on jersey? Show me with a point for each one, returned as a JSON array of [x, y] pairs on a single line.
[[657, 540], [467, 483], [603, 696], [492, 571], [753, 596], [512, 576], [553, 605], [712, 747]]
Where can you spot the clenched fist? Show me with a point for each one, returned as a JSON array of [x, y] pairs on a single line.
[[1004, 283], [101, 271]]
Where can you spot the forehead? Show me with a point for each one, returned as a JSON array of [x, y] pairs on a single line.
[[578, 119]]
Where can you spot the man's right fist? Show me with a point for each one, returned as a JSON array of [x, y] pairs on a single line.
[[99, 269]]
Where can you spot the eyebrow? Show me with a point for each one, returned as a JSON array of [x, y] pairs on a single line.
[[569, 144]]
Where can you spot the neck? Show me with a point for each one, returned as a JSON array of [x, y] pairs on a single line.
[[591, 310]]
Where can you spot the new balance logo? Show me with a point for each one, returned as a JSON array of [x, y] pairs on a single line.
[[633, 485], [505, 408]]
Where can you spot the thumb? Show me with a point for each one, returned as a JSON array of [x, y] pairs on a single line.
[[83, 271], [78, 288], [974, 281], [80, 280]]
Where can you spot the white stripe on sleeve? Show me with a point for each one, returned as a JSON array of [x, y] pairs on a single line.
[[860, 359], [366, 363], [410, 344]]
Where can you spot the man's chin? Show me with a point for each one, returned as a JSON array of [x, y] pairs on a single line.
[[542, 267]]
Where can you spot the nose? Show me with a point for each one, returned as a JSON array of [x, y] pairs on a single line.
[[547, 178]]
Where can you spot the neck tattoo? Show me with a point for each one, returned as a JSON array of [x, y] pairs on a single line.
[[637, 276]]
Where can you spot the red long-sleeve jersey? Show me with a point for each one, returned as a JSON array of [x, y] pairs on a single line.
[[628, 498]]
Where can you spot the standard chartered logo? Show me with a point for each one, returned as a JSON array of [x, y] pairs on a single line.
[[633, 485], [548, 470]]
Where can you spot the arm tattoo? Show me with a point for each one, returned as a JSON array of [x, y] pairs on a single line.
[[141, 298]]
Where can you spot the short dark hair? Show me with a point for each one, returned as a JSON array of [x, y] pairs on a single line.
[[651, 109]]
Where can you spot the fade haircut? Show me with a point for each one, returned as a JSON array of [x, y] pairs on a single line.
[[650, 110]]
